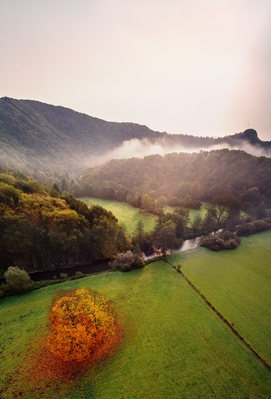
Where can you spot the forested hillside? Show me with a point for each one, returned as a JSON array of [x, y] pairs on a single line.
[[41, 230], [46, 141], [182, 179]]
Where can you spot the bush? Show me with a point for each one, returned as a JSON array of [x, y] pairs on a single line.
[[79, 274], [18, 281], [225, 240], [256, 226], [245, 229], [63, 276], [127, 261], [261, 225]]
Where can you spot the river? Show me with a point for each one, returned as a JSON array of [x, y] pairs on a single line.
[[98, 266], [190, 244]]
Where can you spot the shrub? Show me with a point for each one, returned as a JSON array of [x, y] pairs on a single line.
[[261, 225], [63, 276], [18, 281], [79, 274], [225, 240], [246, 229], [127, 261]]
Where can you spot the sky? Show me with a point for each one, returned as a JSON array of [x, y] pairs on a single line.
[[200, 67]]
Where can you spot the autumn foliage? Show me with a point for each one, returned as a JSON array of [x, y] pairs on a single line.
[[84, 327], [84, 330]]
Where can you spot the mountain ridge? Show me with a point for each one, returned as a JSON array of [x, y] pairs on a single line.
[[44, 140]]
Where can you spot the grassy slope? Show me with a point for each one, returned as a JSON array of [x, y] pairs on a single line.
[[129, 215], [175, 346], [125, 213], [238, 284]]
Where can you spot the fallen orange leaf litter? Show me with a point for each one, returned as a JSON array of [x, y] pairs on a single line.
[[84, 331]]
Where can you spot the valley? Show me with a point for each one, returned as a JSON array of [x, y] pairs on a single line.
[[81, 195], [175, 345]]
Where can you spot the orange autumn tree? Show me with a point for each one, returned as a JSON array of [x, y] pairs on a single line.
[[84, 326]]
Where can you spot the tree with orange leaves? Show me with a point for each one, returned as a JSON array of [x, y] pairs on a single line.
[[84, 326]]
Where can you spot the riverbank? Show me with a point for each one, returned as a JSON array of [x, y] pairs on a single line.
[[90, 268]]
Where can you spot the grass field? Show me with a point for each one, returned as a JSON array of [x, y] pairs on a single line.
[[175, 346], [129, 215], [125, 213], [238, 284]]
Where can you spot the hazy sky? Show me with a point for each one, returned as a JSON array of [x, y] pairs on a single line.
[[200, 67]]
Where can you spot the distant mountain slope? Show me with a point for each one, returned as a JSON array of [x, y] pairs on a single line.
[[45, 140]]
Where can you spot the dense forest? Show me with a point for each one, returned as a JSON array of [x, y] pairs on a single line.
[[39, 229], [184, 180]]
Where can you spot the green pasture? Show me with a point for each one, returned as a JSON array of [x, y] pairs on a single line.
[[129, 215], [238, 284], [192, 212], [175, 346], [198, 212], [125, 213]]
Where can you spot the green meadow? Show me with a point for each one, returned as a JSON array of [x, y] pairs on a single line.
[[129, 215], [175, 345], [238, 284], [125, 213]]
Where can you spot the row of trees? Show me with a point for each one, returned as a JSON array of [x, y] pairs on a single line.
[[222, 213]]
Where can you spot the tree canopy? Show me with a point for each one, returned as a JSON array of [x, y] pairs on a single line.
[[39, 230], [230, 180]]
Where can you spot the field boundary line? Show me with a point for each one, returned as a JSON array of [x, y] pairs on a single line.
[[220, 315]]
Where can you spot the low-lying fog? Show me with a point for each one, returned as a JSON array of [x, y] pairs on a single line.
[[140, 148], [75, 165]]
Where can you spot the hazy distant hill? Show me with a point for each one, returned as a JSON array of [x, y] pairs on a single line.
[[45, 140]]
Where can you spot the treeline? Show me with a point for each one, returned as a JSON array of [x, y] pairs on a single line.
[[184, 180], [44, 229], [39, 229], [47, 228]]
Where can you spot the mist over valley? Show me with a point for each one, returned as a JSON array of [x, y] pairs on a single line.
[[44, 140], [135, 199]]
